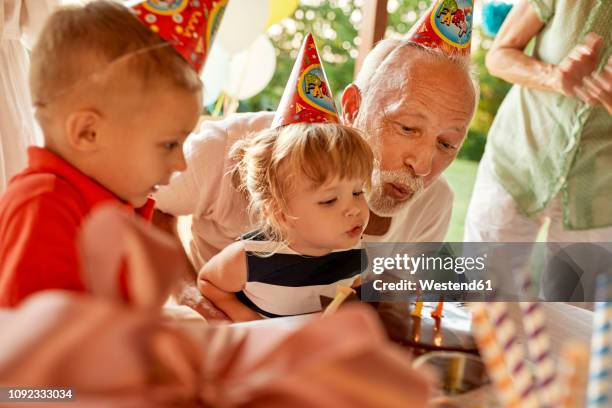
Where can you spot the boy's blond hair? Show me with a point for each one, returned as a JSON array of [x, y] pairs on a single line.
[[78, 42], [268, 162]]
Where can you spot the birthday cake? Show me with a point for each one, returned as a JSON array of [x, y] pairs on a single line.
[[423, 333], [450, 332]]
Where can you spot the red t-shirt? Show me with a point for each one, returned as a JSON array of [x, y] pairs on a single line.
[[40, 215]]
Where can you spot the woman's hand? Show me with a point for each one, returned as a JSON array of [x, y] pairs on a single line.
[[507, 59], [597, 88], [576, 66]]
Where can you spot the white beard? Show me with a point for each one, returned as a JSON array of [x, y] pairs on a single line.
[[383, 205]]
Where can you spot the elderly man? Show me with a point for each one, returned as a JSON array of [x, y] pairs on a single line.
[[413, 104]]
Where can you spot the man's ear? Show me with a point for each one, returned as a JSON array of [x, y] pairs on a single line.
[[82, 128], [351, 101]]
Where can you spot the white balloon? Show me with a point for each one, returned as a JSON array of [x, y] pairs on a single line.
[[215, 73], [211, 94], [251, 70], [242, 22]]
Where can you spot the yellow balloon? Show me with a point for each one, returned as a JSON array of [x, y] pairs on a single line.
[[280, 9]]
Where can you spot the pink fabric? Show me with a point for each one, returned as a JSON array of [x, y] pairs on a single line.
[[153, 259], [342, 360], [115, 354]]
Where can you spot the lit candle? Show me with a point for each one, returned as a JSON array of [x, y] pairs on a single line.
[[437, 333], [416, 329], [437, 312], [418, 308]]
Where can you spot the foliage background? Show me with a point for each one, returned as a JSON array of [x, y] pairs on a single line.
[[335, 25]]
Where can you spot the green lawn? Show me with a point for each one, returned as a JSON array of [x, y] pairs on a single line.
[[461, 176]]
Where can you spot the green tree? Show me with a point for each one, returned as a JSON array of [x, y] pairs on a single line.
[[492, 92]]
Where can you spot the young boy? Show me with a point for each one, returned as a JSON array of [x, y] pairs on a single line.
[[115, 103]]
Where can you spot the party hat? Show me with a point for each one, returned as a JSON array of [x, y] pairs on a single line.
[[447, 25], [188, 25], [307, 96]]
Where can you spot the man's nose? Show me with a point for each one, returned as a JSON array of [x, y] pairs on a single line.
[[420, 162]]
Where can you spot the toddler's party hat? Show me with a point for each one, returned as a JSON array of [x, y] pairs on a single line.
[[307, 96], [447, 25], [188, 25]]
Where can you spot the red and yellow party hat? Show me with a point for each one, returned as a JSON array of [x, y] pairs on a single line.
[[447, 25], [307, 96], [188, 25]]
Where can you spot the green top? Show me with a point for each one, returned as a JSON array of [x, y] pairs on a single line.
[[543, 143]]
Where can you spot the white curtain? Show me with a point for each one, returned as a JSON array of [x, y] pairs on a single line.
[[20, 22]]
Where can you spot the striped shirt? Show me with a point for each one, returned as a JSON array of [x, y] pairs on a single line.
[[282, 282]]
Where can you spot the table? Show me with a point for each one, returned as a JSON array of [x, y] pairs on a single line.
[[564, 321]]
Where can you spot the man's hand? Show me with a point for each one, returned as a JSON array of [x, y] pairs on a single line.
[[576, 66]]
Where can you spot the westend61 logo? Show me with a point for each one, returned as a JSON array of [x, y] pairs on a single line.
[[484, 271], [413, 264], [437, 273]]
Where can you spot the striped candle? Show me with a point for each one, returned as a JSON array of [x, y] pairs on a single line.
[[600, 369], [492, 354], [514, 351], [573, 374], [538, 346]]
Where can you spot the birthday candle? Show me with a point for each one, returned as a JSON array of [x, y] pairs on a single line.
[[437, 333], [342, 292], [418, 308], [538, 345], [573, 374], [416, 329], [437, 312], [456, 372], [600, 379], [514, 351], [493, 356]]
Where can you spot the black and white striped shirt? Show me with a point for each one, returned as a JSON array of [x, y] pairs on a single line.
[[287, 283]]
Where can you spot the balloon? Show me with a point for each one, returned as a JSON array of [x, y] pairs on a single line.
[[493, 16], [211, 94], [215, 73], [243, 22], [252, 69], [280, 9]]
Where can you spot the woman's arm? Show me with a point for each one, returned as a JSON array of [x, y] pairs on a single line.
[[507, 60], [221, 277]]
